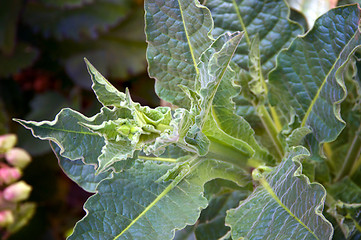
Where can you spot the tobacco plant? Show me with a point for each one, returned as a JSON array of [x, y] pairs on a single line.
[[262, 141]]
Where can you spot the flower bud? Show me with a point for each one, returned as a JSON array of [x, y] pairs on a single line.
[[18, 157], [6, 218], [17, 192], [9, 175], [7, 142]]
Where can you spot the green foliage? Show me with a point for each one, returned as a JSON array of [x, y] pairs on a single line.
[[153, 171]]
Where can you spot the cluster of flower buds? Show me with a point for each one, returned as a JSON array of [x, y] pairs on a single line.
[[14, 213]]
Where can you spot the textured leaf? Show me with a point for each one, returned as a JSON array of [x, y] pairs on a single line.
[[87, 20], [75, 140], [106, 93], [177, 34], [217, 109], [285, 206], [79, 172], [138, 205], [307, 78], [268, 19]]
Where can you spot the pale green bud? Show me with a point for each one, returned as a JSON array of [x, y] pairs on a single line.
[[17, 192], [18, 157], [7, 142]]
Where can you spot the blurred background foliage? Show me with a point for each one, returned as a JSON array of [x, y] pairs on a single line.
[[42, 46]]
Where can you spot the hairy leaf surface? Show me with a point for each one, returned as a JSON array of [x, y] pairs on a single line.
[[268, 19], [79, 172], [285, 206], [177, 34], [75, 140], [307, 78], [139, 205]]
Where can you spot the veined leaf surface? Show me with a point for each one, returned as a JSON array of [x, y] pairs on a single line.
[[138, 205], [285, 206], [267, 18], [79, 172], [308, 75], [76, 141], [177, 34], [106, 93]]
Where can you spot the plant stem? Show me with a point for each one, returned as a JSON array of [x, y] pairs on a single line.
[[230, 154], [158, 159], [270, 129], [353, 154]]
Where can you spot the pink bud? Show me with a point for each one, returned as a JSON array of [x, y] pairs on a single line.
[[6, 218], [18, 157], [7, 142], [9, 175], [17, 192]]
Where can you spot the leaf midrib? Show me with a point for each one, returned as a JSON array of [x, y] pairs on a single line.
[[269, 189], [173, 184], [56, 129], [188, 38], [313, 102]]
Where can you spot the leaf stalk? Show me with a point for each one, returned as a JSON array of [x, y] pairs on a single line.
[[271, 130], [352, 156]]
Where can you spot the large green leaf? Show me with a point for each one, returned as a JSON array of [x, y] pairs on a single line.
[[308, 79], [285, 206], [268, 19], [79, 172], [177, 34], [137, 204]]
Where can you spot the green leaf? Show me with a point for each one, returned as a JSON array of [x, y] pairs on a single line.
[[139, 205], [268, 19], [79, 172], [75, 140], [315, 92], [177, 34], [153, 199], [285, 206], [85, 21], [211, 222], [106, 93], [346, 191]]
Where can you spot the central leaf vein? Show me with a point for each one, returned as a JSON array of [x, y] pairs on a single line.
[[269, 189]]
